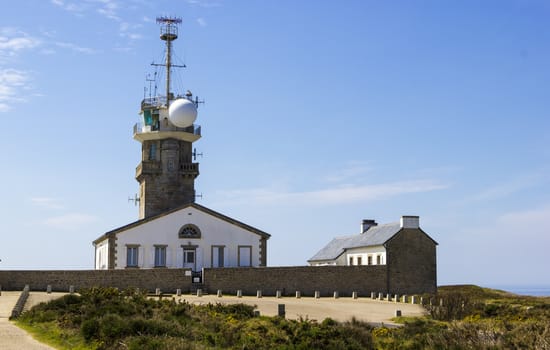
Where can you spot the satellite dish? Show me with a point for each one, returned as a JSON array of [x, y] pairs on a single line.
[[182, 113]]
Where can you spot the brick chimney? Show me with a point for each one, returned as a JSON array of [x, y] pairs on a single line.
[[366, 224], [409, 221]]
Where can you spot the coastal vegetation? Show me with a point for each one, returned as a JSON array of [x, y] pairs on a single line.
[[468, 317]]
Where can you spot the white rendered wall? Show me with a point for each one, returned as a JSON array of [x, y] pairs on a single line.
[[102, 255], [164, 231], [364, 253]]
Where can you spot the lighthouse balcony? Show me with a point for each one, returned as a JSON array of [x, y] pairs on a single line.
[[148, 167], [157, 132]]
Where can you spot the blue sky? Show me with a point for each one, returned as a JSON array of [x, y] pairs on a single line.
[[318, 114]]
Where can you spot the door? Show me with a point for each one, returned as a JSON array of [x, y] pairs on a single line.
[[189, 259]]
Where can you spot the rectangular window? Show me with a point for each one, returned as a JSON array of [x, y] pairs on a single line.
[[379, 259], [245, 256], [217, 255], [350, 260], [369, 260], [359, 260], [152, 151], [132, 256], [160, 256]]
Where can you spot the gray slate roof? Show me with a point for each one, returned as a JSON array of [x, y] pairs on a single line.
[[375, 235]]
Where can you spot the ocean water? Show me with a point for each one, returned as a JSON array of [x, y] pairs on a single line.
[[536, 291]]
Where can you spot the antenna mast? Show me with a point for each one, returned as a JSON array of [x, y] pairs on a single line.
[[168, 33]]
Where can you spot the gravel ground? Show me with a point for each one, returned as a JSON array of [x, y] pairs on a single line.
[[342, 309]]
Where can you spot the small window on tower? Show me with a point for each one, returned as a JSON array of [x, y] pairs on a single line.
[[152, 151]]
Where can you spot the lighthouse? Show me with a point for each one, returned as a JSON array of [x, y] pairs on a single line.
[[167, 130]]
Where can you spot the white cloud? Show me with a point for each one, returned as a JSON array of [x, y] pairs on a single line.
[[109, 9], [71, 221], [12, 84], [204, 3], [76, 8], [352, 170], [508, 188], [76, 48], [201, 21], [12, 41], [47, 202], [333, 196]]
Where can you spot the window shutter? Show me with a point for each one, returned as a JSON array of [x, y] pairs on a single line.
[[198, 257], [169, 262], [179, 258], [141, 257]]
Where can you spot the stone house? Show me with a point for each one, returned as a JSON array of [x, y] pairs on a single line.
[[407, 252]]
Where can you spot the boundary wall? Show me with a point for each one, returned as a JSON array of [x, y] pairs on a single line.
[[306, 279], [168, 280]]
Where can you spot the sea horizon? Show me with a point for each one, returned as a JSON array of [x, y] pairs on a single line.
[[531, 290]]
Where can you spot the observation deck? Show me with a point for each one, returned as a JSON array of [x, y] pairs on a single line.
[[158, 132]]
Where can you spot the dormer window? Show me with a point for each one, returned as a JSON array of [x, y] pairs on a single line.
[[189, 231]]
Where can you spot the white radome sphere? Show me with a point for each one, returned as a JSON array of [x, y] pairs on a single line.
[[182, 113]]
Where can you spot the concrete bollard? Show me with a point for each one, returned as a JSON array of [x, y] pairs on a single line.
[[199, 292], [397, 313], [372, 295], [157, 291], [336, 296], [317, 294], [278, 294], [258, 293], [388, 297], [178, 292], [298, 294], [404, 298], [413, 299], [281, 310], [380, 296], [354, 295], [0, 290], [71, 289], [239, 293], [219, 293], [396, 298], [49, 289]]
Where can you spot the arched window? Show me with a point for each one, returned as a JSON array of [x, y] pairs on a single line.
[[189, 231]]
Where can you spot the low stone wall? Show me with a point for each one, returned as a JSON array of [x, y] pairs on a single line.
[[305, 279], [168, 280]]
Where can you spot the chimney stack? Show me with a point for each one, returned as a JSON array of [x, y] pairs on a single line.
[[366, 224], [409, 221]]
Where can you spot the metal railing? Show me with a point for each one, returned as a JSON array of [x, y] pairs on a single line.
[[140, 129]]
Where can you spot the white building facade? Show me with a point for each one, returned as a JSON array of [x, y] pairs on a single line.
[[191, 236]]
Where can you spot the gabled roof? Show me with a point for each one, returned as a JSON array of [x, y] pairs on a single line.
[[168, 212], [375, 235]]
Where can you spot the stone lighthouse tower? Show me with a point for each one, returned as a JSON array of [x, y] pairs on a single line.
[[166, 173]]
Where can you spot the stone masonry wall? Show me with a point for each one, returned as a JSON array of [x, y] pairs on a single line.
[[288, 280], [412, 268], [168, 280], [306, 279]]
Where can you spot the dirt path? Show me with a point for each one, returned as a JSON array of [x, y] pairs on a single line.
[[11, 336]]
